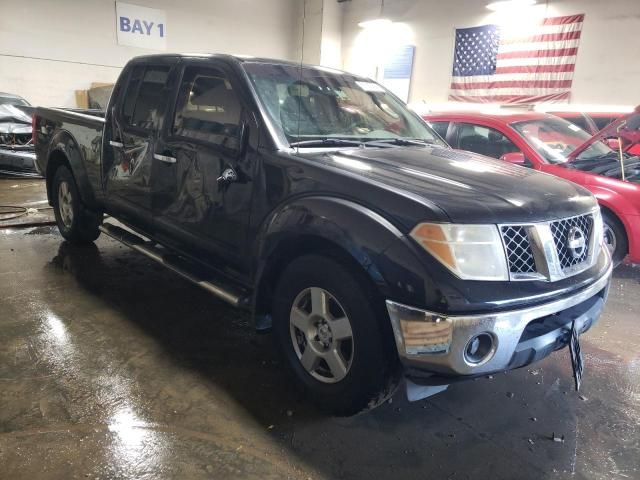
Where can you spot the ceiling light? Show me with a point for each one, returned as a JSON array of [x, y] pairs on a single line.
[[510, 4], [377, 23]]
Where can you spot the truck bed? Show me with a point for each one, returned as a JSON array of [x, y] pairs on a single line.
[[78, 135]]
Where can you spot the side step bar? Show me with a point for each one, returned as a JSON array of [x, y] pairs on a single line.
[[174, 263]]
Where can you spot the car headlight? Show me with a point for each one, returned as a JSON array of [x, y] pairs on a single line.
[[472, 252]]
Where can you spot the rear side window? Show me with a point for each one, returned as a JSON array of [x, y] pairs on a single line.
[[208, 108], [440, 128], [484, 140], [144, 96]]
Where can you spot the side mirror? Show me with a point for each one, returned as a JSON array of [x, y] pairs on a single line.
[[516, 158], [612, 143]]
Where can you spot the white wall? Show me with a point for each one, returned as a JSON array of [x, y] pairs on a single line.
[[49, 48], [608, 63], [322, 40], [331, 41]]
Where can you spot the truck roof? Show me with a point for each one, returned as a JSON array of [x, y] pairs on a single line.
[[240, 59]]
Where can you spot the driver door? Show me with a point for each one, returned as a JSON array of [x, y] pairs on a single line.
[[202, 175]]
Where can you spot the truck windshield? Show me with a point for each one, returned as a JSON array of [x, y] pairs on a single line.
[[314, 106], [554, 139]]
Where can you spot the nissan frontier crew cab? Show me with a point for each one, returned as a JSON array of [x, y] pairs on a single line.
[[316, 200]]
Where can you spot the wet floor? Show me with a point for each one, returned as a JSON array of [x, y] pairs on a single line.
[[111, 367]]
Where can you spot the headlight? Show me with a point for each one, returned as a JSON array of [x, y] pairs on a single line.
[[472, 252]]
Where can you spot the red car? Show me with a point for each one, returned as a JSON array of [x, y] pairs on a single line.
[[553, 145]]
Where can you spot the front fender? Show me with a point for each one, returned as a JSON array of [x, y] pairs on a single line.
[[620, 204], [64, 143], [358, 231], [626, 208]]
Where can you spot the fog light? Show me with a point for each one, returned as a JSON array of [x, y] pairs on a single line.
[[479, 348]]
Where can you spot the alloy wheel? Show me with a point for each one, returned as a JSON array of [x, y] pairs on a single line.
[[321, 334], [610, 238], [65, 204]]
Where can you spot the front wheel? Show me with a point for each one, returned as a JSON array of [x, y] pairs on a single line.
[[331, 331], [615, 238], [76, 223]]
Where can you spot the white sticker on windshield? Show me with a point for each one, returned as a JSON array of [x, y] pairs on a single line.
[[575, 128], [370, 86]]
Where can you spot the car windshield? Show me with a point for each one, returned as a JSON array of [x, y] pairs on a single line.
[[554, 139], [314, 106], [13, 101]]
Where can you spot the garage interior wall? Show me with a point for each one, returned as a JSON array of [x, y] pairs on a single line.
[[48, 48], [607, 68]]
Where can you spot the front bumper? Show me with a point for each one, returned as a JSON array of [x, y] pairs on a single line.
[[434, 345], [21, 160]]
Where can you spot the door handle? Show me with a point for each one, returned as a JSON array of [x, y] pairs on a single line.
[[116, 144], [164, 158], [229, 175]]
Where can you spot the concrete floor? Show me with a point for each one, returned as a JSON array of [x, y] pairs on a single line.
[[111, 367]]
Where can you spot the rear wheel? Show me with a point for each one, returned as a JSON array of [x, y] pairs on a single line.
[[76, 223], [331, 332], [615, 238]]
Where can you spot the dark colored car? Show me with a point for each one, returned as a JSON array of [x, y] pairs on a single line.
[[550, 144], [319, 202], [16, 148], [11, 99]]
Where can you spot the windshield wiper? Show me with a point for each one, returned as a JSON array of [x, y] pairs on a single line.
[[404, 142], [326, 142]]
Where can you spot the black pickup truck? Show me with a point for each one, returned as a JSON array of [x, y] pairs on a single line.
[[315, 199]]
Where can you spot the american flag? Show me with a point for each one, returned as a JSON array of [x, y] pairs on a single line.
[[494, 65]]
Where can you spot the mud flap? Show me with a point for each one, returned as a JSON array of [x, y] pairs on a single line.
[[417, 392]]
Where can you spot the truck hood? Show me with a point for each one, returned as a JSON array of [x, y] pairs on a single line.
[[469, 188], [15, 120]]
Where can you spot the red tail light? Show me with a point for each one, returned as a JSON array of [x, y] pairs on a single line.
[[33, 128]]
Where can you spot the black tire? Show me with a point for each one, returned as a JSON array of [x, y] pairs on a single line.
[[372, 376], [77, 224], [614, 231]]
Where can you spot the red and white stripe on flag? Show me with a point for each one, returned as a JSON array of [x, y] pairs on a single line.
[[534, 68]]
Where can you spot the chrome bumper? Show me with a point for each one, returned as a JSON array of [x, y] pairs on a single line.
[[434, 343]]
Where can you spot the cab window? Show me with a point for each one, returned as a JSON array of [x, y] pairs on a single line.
[[483, 140], [143, 98], [208, 108]]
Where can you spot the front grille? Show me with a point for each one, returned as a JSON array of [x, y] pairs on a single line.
[[15, 138], [518, 247], [561, 230]]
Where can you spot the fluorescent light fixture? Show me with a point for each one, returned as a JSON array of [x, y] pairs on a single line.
[[377, 23], [510, 4]]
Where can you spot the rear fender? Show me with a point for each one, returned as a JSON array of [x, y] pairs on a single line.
[[63, 143]]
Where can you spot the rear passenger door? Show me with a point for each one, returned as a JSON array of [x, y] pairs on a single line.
[[131, 133], [203, 183]]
